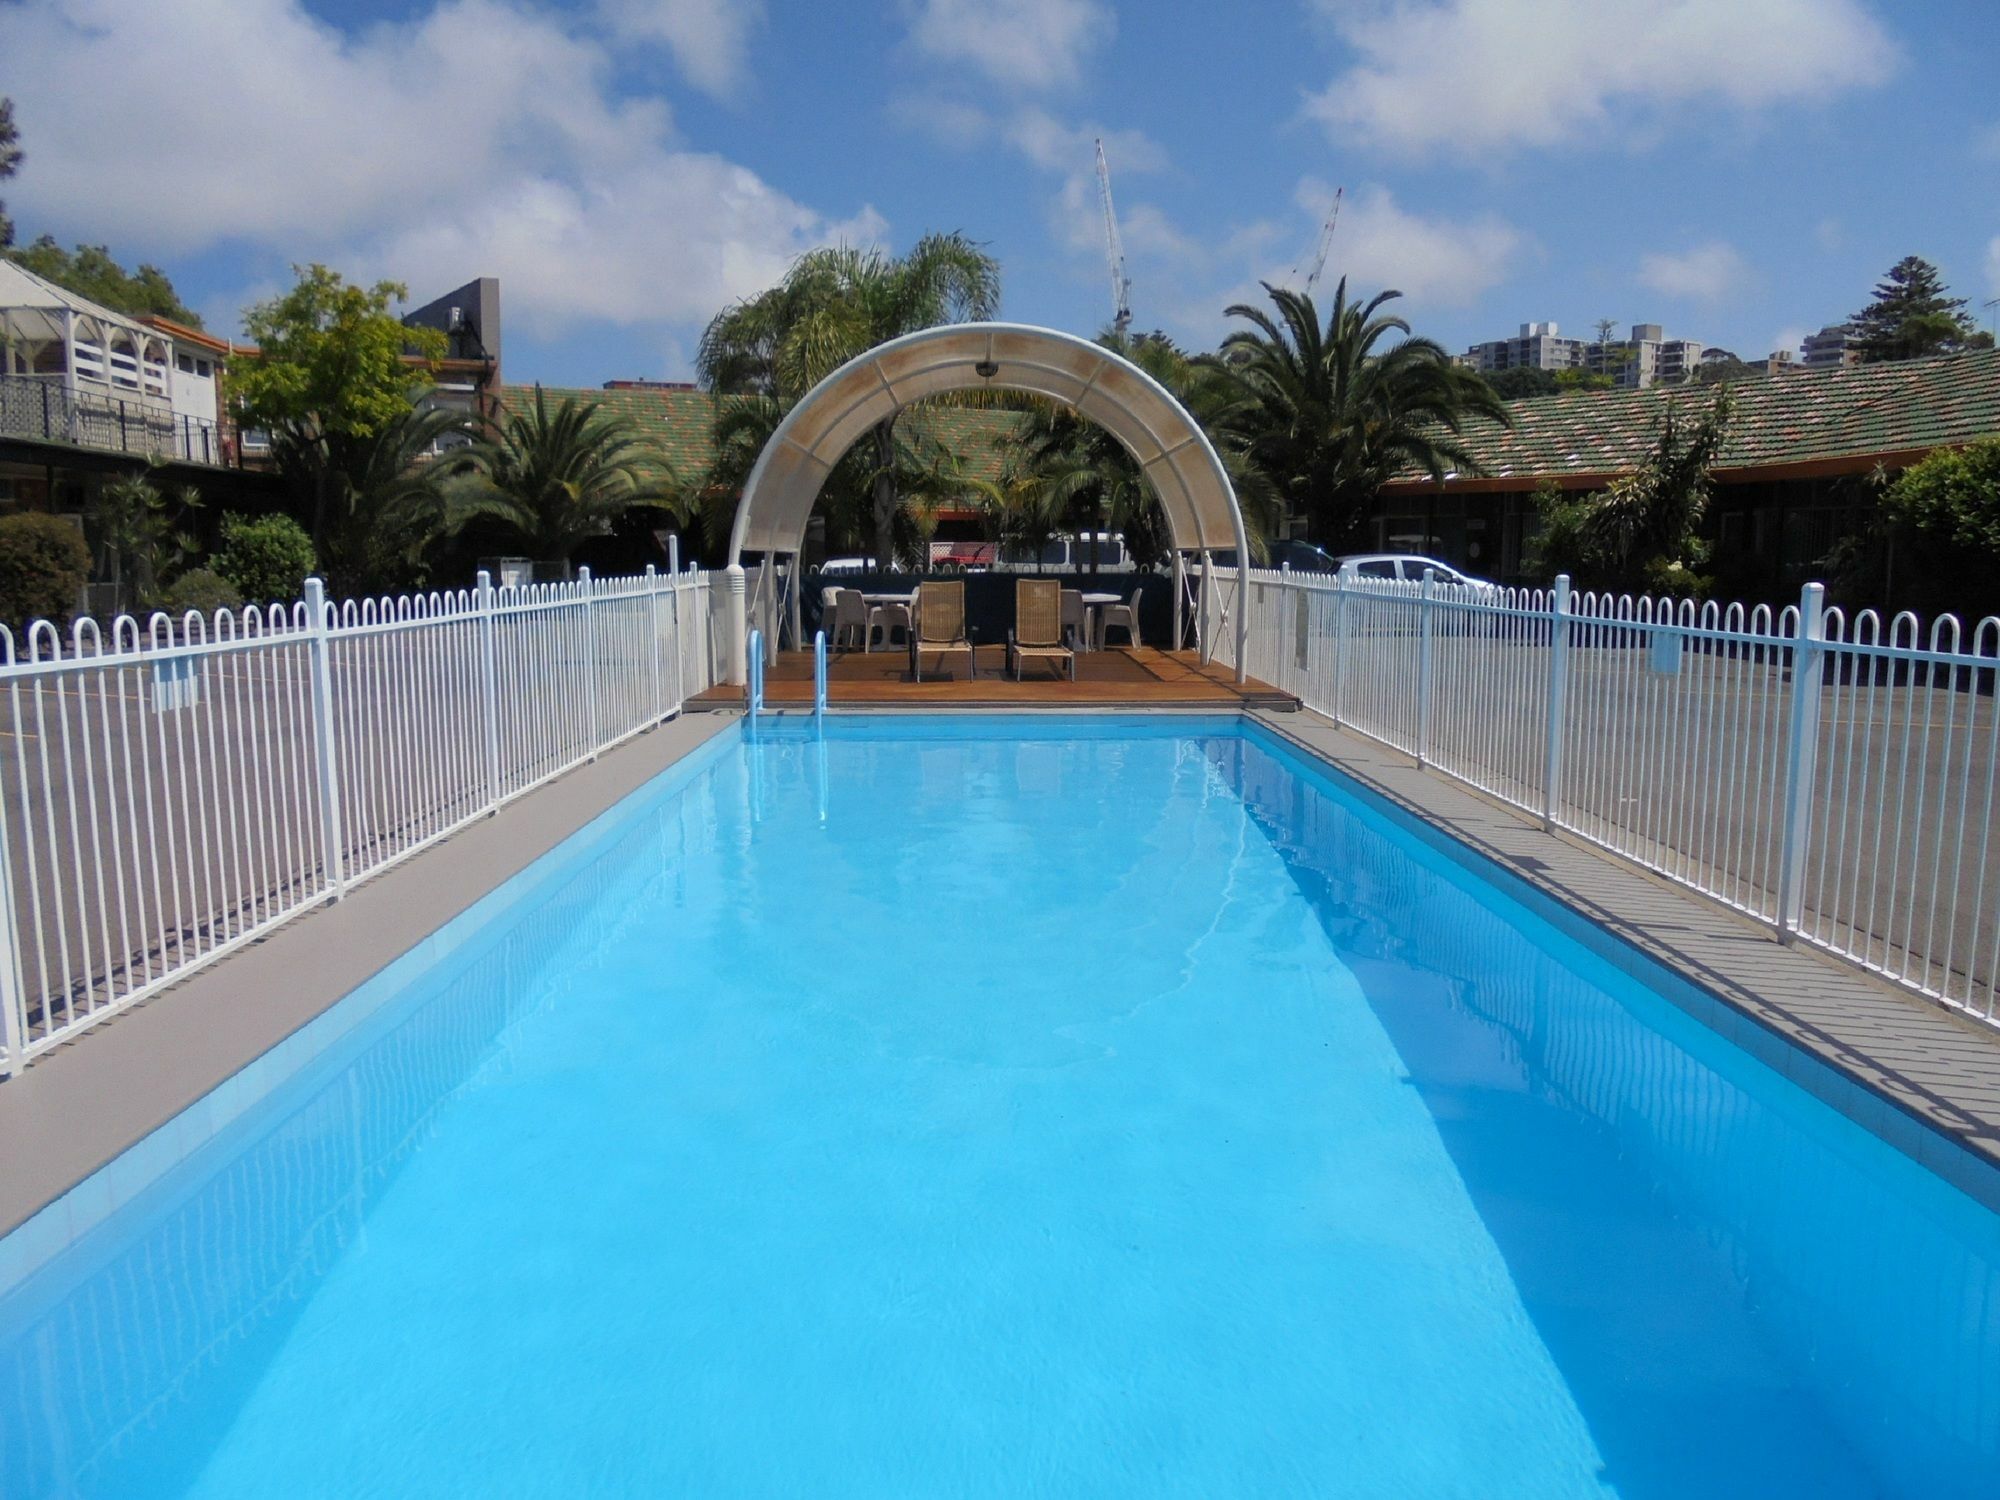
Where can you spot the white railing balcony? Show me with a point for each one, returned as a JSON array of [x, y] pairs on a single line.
[[40, 409]]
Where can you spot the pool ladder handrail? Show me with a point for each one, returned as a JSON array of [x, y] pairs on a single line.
[[819, 674], [753, 687]]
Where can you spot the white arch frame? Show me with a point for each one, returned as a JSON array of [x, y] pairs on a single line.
[[1102, 386]]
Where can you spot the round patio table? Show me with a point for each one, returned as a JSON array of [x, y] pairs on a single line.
[[1092, 603]]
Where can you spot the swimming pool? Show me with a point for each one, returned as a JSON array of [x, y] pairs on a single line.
[[1007, 1106]]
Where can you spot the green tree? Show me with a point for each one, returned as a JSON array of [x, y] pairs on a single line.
[[1643, 534], [89, 271], [1523, 382], [135, 527], [1936, 545], [329, 374], [1330, 414], [10, 163], [558, 476], [1585, 380], [1913, 315], [834, 304], [265, 558], [1725, 370], [391, 499], [44, 563], [1093, 483]]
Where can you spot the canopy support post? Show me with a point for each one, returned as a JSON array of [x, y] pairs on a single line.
[[735, 657]]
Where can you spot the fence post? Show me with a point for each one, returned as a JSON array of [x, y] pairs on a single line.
[[590, 657], [489, 678], [680, 646], [1339, 646], [325, 753], [1179, 641], [1424, 667], [13, 1017], [1552, 747], [1802, 762], [653, 636]]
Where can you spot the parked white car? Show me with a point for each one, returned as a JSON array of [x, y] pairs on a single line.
[[1408, 567]]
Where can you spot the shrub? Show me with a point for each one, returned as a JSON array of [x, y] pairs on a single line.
[[267, 558], [201, 589], [1942, 519], [43, 567]]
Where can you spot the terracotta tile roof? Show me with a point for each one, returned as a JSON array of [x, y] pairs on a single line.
[[681, 423], [1852, 414]]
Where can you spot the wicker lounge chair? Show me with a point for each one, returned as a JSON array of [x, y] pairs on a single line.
[[1038, 626], [940, 626]]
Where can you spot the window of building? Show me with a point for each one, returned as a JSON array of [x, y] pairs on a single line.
[[203, 368], [184, 363]]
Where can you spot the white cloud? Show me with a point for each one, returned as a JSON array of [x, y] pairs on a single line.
[[1025, 44], [1477, 77], [1791, 336], [1440, 262], [1705, 273], [479, 138], [1183, 283], [1057, 147], [710, 39]]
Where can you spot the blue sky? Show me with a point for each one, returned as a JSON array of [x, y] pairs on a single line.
[[1738, 170]]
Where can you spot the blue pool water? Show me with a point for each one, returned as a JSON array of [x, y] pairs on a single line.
[[1008, 1109]]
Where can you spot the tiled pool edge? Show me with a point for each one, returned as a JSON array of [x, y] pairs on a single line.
[[71, 1213], [1968, 1158]]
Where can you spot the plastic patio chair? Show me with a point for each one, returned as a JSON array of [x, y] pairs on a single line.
[[1038, 625], [940, 626], [887, 618], [1123, 617], [1075, 618], [850, 615]]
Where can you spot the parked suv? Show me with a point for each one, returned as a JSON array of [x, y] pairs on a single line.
[[1407, 567]]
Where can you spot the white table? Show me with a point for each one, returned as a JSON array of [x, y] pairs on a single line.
[[1092, 603], [876, 601]]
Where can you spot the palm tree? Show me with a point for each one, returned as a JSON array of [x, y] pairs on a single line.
[[395, 498], [1330, 416], [379, 498], [1643, 533], [1093, 479], [560, 475], [834, 304]]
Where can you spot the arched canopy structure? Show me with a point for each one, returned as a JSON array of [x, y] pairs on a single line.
[[1167, 443]]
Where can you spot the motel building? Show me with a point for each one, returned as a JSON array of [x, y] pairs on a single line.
[[1802, 461]]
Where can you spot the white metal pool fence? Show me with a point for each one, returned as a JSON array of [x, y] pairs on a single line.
[[172, 789], [1831, 775]]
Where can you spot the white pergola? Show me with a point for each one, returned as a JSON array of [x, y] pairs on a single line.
[[1168, 444], [52, 334]]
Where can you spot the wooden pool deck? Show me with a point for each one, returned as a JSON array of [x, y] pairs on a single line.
[[1117, 678]]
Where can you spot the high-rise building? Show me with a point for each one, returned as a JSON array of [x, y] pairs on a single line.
[[1645, 358], [1538, 347], [1832, 345]]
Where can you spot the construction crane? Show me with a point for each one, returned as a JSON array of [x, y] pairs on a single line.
[[1114, 248], [1325, 244]]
